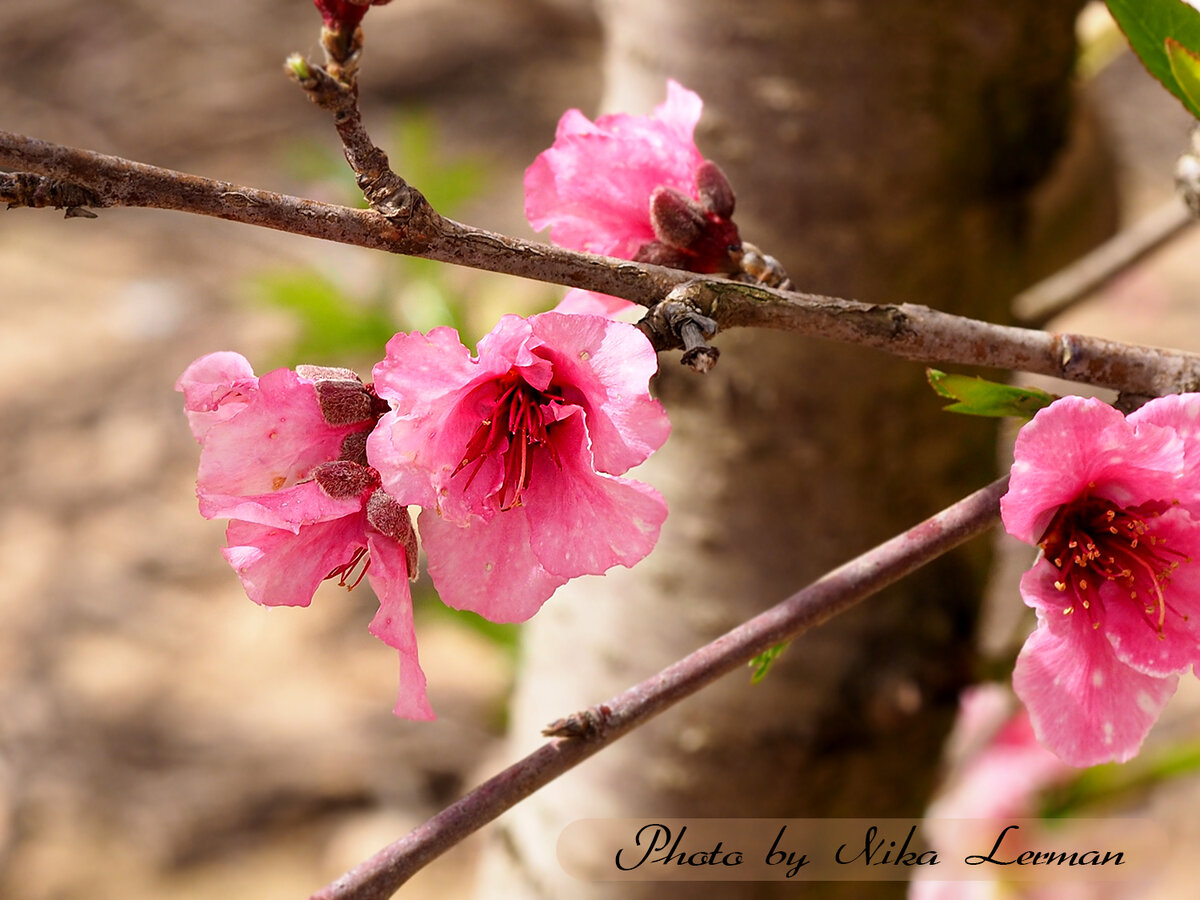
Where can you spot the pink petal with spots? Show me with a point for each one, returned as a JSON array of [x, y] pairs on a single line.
[[393, 623], [1180, 413], [1086, 706], [1076, 442], [281, 568], [291, 508], [487, 567]]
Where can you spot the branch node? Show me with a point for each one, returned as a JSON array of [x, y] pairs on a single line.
[[677, 322], [38, 192], [580, 726]]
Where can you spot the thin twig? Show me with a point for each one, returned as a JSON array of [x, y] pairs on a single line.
[[1037, 305], [381, 875], [907, 330]]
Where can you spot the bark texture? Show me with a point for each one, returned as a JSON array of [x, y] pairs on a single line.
[[885, 152]]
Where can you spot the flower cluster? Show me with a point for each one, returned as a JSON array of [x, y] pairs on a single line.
[[514, 455], [634, 187], [1114, 505]]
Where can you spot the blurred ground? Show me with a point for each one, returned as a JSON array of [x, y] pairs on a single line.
[[160, 736]]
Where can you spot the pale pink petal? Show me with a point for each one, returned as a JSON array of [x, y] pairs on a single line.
[[1174, 646], [487, 567], [590, 303], [605, 367], [1085, 705], [272, 444], [393, 623], [289, 508], [681, 111], [215, 387], [279, 568], [1077, 444], [583, 522], [415, 455]]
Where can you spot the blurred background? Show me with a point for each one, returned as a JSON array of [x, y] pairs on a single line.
[[161, 736]]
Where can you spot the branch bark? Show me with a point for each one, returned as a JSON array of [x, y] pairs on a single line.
[[910, 331], [381, 875]]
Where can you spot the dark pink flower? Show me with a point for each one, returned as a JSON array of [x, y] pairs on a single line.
[[1114, 503], [515, 455], [634, 187], [283, 457]]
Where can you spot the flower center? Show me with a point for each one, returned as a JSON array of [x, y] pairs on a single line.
[[1092, 541], [517, 422]]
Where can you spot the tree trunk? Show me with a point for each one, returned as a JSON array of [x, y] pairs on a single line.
[[882, 151]]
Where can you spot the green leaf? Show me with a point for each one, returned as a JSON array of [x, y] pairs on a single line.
[[763, 662], [1185, 66], [978, 397], [1148, 24]]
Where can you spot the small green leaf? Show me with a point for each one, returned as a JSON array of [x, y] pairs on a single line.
[[978, 397], [763, 662], [1148, 24], [1185, 66]]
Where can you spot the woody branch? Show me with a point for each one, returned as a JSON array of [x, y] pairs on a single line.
[[908, 330]]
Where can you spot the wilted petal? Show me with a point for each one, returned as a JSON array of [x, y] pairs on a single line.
[[281, 568], [393, 623], [215, 387]]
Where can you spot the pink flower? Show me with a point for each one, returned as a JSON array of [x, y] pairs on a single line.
[[1001, 771], [635, 187], [515, 455], [1114, 503], [283, 457]]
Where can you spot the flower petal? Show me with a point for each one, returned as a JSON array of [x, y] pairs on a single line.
[[1180, 413], [584, 522], [605, 367], [215, 387], [281, 568], [487, 567], [1085, 705], [1130, 624], [1078, 444], [393, 623], [577, 301], [271, 444]]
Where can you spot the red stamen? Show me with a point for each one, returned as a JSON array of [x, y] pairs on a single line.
[[346, 569], [517, 421]]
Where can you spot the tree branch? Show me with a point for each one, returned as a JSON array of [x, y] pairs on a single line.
[[907, 330], [591, 730]]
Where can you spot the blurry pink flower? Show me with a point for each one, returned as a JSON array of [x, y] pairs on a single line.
[[1000, 775], [345, 13], [1113, 503], [514, 455], [634, 187], [283, 457]]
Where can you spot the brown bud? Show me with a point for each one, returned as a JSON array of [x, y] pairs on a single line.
[[342, 479], [675, 218], [715, 192], [389, 517]]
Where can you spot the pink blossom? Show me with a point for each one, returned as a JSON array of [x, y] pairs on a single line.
[[634, 187], [515, 453], [283, 457], [1000, 774], [1114, 504]]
